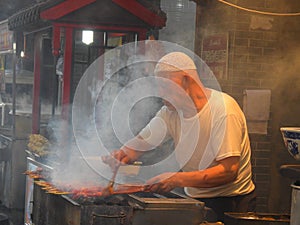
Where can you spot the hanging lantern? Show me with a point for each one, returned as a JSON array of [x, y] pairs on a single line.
[[87, 36]]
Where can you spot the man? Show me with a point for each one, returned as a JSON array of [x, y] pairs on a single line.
[[210, 134]]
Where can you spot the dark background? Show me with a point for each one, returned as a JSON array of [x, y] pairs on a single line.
[[8, 7]]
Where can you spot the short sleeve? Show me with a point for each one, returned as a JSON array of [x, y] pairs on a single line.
[[156, 131], [228, 135]]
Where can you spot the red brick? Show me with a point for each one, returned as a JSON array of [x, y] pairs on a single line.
[[249, 34], [270, 35], [255, 51], [241, 42]]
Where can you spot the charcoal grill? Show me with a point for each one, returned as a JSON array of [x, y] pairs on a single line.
[[123, 209]]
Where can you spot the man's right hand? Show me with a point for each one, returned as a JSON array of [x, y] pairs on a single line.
[[114, 159], [119, 157]]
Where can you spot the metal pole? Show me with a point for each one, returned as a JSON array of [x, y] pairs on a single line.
[[55, 86]]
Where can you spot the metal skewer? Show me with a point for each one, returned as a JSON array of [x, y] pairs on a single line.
[[108, 190], [113, 178]]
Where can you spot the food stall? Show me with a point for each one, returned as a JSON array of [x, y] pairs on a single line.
[[54, 29], [15, 82], [60, 39], [6, 61]]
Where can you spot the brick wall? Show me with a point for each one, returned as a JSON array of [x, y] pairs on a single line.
[[262, 55]]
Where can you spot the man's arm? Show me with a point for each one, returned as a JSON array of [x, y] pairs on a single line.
[[224, 172], [154, 134]]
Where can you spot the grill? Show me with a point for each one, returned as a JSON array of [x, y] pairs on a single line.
[[53, 204], [120, 209]]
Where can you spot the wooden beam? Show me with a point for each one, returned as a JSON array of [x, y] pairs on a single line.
[[141, 12], [36, 107], [68, 53], [64, 8], [56, 40]]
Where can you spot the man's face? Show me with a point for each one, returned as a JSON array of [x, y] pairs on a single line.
[[172, 88]]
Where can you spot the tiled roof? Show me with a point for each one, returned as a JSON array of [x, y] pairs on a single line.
[[30, 17]]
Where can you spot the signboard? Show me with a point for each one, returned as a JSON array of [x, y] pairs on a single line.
[[215, 54], [6, 37]]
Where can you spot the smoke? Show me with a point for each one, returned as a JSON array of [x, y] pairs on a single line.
[[92, 127], [24, 105], [24, 102], [70, 168]]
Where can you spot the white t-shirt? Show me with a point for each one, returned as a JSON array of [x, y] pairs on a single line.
[[218, 131]]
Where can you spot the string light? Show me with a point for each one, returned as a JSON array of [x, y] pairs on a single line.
[[259, 12]]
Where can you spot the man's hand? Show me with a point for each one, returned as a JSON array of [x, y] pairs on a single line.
[[120, 156], [116, 158], [163, 183], [224, 172], [127, 154]]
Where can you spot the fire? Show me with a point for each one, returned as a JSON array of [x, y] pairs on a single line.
[[88, 192]]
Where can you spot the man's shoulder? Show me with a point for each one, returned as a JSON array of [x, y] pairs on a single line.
[[223, 104], [165, 113], [223, 97]]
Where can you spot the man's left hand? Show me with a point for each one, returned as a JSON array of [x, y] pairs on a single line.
[[162, 183]]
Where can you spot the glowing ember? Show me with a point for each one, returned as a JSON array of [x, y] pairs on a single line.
[[89, 191]]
